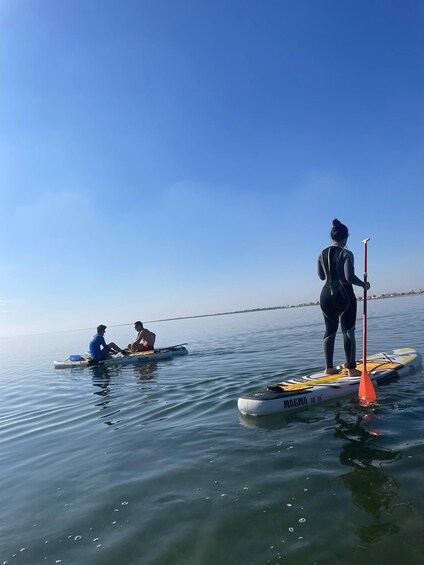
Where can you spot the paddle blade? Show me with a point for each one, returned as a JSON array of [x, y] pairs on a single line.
[[366, 392]]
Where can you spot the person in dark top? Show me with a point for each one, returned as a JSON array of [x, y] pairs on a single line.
[[337, 300], [99, 349]]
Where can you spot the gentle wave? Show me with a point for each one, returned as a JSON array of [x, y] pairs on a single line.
[[154, 464]]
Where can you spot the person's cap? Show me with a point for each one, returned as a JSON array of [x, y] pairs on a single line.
[[101, 327], [138, 323]]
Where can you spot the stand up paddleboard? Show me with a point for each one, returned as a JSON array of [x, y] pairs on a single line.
[[309, 390], [134, 358]]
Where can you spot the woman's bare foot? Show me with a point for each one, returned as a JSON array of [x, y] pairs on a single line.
[[332, 371], [354, 373]]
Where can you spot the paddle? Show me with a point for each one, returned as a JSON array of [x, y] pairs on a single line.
[[366, 391], [170, 347]]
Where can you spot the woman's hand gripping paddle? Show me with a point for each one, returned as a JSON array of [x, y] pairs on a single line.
[[366, 391]]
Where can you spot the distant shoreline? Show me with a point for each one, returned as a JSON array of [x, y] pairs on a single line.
[[301, 305], [247, 311]]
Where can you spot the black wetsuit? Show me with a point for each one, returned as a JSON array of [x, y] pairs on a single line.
[[338, 301]]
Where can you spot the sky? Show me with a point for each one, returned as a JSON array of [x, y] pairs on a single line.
[[162, 159]]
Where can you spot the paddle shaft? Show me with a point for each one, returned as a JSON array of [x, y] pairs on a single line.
[[170, 347], [364, 326]]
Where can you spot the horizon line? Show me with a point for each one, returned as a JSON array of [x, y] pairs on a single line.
[[245, 311]]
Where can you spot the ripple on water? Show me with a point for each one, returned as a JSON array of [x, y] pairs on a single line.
[[155, 463]]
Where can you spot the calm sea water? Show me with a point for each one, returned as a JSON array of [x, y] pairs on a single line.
[[154, 465]]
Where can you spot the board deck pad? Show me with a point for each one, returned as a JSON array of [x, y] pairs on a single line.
[[319, 378]]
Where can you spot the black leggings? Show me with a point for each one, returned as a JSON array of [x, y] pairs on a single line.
[[340, 304]]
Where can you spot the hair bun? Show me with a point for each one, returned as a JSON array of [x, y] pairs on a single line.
[[339, 231]]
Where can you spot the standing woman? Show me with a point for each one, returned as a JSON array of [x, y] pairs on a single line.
[[337, 300]]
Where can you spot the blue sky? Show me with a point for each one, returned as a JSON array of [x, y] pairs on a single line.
[[166, 158]]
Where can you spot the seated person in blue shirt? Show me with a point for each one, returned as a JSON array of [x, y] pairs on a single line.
[[99, 349]]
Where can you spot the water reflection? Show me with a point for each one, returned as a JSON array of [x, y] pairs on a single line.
[[101, 379], [373, 491], [280, 421], [111, 397], [145, 372]]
